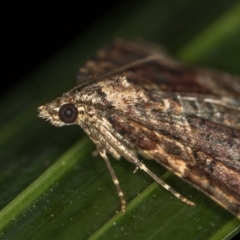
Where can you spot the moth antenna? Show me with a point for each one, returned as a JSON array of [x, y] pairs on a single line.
[[132, 64], [87, 82], [80, 86]]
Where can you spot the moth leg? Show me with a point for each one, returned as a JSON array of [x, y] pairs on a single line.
[[115, 180], [95, 153], [135, 170], [131, 157], [163, 184]]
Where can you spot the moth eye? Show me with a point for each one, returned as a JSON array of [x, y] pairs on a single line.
[[68, 113]]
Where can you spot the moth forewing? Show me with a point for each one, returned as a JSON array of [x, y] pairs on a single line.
[[140, 102]]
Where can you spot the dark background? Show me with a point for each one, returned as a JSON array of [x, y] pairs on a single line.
[[31, 31]]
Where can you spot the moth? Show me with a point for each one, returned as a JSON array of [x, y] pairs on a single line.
[[135, 101]]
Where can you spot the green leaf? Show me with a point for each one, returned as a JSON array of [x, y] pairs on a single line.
[[52, 188]]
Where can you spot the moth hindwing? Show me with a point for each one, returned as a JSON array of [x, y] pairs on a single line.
[[134, 101]]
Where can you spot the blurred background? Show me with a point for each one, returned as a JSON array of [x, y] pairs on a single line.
[[32, 31]]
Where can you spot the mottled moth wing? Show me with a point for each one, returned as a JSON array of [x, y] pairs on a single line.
[[133, 99]]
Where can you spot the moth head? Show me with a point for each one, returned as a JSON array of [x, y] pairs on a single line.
[[60, 112]]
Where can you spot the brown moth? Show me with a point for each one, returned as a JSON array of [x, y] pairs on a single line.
[[133, 100]]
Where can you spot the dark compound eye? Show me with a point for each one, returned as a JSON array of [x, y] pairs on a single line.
[[68, 113]]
